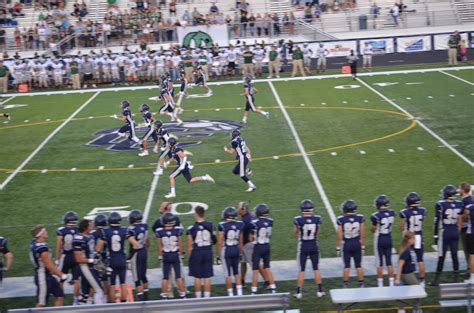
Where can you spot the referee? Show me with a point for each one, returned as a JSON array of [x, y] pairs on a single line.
[[352, 60]]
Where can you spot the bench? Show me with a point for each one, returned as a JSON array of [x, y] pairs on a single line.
[[345, 298], [465, 291], [213, 304]]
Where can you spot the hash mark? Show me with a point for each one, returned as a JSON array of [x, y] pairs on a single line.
[[333, 153], [196, 111], [131, 166], [276, 157], [44, 171], [391, 150], [217, 161], [26, 121], [73, 169], [420, 149], [362, 152], [101, 167]]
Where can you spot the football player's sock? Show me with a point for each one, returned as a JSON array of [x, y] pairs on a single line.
[[298, 290], [198, 294], [230, 292], [361, 284], [379, 282], [244, 119], [345, 283], [391, 281], [99, 298], [249, 182], [320, 287], [273, 288], [207, 294], [239, 290], [173, 190], [472, 276], [254, 290]]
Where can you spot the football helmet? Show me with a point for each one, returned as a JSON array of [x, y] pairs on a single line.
[[382, 202], [235, 133], [158, 124], [229, 214], [412, 199], [135, 217], [70, 218], [125, 104], [168, 219], [100, 221], [349, 206], [448, 191], [262, 210], [172, 141], [306, 205], [144, 107], [115, 219], [248, 78]]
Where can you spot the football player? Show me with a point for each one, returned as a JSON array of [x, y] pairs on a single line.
[[306, 230], [166, 98], [321, 53], [351, 240], [179, 156], [183, 87], [229, 248], [137, 234], [65, 251], [6, 115], [84, 255], [261, 228], [45, 282], [201, 237], [114, 238], [467, 199], [129, 123], [382, 223], [100, 223], [201, 80], [249, 92], [307, 53], [149, 122], [469, 217], [411, 219], [170, 253], [242, 152], [447, 226], [8, 256]]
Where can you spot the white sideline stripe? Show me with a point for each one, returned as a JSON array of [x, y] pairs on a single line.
[[235, 82], [450, 147], [310, 166], [11, 98], [458, 78], [45, 142], [154, 182]]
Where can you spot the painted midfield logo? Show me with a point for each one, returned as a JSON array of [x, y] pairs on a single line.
[[188, 133]]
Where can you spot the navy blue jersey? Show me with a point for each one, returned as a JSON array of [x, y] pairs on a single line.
[[36, 248], [67, 234], [469, 208], [3, 245], [127, 114], [159, 224], [384, 220], [201, 232], [262, 230], [169, 238], [308, 227], [180, 161], [447, 213], [86, 244], [410, 258], [97, 234], [148, 118], [467, 201], [238, 144], [232, 231], [351, 225], [247, 219], [115, 238], [249, 88], [163, 136], [413, 219], [140, 232]]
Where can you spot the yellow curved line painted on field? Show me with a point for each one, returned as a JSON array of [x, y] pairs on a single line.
[[312, 152]]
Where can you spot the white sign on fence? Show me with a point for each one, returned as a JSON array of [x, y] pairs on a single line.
[[413, 44]]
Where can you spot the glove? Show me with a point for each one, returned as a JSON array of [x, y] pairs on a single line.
[[129, 265], [109, 270], [435, 239], [92, 261], [363, 250], [160, 258], [64, 277], [338, 251], [218, 260], [56, 262]]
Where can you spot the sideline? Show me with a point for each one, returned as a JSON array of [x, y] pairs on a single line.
[[458, 78]]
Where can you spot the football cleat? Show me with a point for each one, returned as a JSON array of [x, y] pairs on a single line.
[[170, 195], [267, 114], [179, 121], [298, 295], [320, 294], [250, 189], [158, 172], [155, 149], [209, 178], [7, 115], [249, 171], [179, 110], [143, 153]]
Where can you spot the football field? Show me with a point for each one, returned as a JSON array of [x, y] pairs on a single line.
[[328, 139]]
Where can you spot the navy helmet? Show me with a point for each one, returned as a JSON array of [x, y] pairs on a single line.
[[168, 219], [100, 221], [144, 107], [70, 218], [115, 219], [158, 124], [229, 214], [125, 104], [382, 202], [135, 217], [449, 191], [262, 210], [235, 133], [306, 205], [412, 199], [349, 206]]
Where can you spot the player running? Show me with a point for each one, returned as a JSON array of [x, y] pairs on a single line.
[[306, 230], [412, 220], [382, 223], [166, 97], [6, 115], [447, 225], [243, 156], [350, 240], [249, 92], [229, 249], [129, 123], [149, 122], [201, 80]]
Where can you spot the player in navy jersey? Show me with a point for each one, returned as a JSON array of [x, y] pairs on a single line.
[[65, 251], [249, 92], [229, 248], [129, 126], [406, 262], [45, 282], [170, 252], [469, 217], [467, 199], [411, 219], [163, 139], [351, 240], [179, 156], [149, 121], [183, 87], [201, 80], [168, 105], [242, 154], [137, 234], [100, 223], [4, 251], [306, 230], [84, 254], [382, 224], [261, 228], [114, 238], [447, 226], [201, 237]]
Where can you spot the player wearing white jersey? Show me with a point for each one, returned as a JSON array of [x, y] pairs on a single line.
[[321, 53], [367, 57], [57, 67], [259, 55], [307, 54], [18, 72]]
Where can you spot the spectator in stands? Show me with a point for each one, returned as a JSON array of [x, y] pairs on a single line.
[[308, 16], [394, 12], [452, 51], [252, 25], [214, 9], [2, 38], [243, 25], [195, 15], [276, 25], [243, 7], [172, 8]]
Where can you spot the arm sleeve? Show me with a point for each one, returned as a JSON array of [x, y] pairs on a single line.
[[437, 219]]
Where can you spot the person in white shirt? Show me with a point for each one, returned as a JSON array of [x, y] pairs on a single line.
[[18, 72], [151, 68], [57, 72], [159, 64], [259, 55], [43, 74], [307, 53], [321, 53], [114, 68], [130, 69], [232, 60], [395, 11], [367, 57], [223, 62], [106, 69]]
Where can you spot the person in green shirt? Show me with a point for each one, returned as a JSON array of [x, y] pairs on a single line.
[[452, 51], [188, 63], [203, 62], [4, 73], [248, 63], [273, 63], [297, 62], [75, 77]]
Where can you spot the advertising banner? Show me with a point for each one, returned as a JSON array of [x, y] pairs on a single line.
[[441, 41], [203, 36], [379, 46], [413, 44]]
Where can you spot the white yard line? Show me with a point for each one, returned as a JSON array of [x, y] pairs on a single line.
[[233, 82], [432, 133], [309, 165], [45, 142], [11, 98], [154, 183], [458, 78]]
